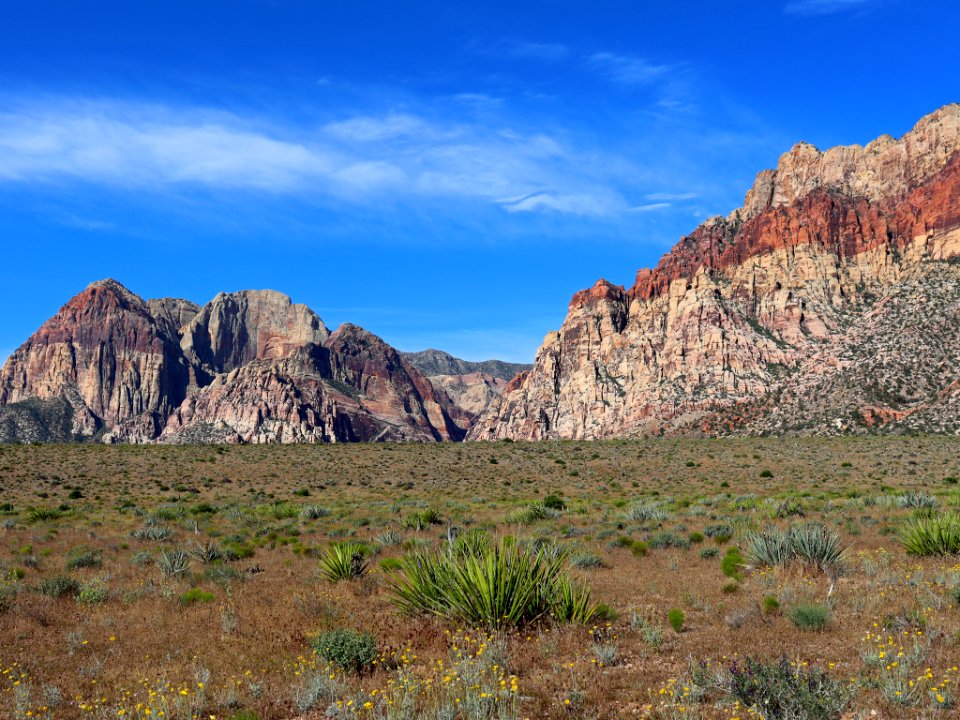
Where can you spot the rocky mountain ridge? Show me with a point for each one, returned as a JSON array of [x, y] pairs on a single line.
[[702, 342], [247, 367]]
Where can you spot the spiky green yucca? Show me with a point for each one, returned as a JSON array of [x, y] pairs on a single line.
[[811, 542], [490, 584], [344, 561], [932, 536]]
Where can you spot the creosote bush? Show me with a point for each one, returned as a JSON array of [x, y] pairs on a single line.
[[782, 691], [347, 649]]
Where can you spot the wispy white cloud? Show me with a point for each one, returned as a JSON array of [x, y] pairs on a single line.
[[812, 8], [359, 158], [628, 69], [651, 207], [658, 196]]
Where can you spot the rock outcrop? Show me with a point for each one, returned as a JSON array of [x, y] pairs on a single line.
[[248, 367], [744, 302]]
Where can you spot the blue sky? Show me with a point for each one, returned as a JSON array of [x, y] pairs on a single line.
[[442, 175]]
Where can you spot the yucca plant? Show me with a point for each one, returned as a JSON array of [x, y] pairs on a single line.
[[344, 561], [489, 584], [647, 512], [813, 543], [153, 533], [173, 562], [313, 512], [932, 536], [43, 514]]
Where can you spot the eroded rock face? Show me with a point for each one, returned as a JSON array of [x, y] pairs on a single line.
[[355, 387], [106, 353], [744, 301], [236, 328], [248, 367]]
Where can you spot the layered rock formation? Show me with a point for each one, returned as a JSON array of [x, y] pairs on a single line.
[[472, 386], [247, 367], [745, 303]]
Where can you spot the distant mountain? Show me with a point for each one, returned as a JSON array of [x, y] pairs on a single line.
[[247, 367], [829, 303], [437, 362]]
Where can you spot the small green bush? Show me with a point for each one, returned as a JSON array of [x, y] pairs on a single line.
[[347, 649], [59, 586], [771, 604], [709, 552], [676, 619], [390, 564], [696, 537], [554, 502], [732, 563], [93, 592], [782, 691], [639, 548], [82, 557], [196, 595], [810, 616], [43, 514]]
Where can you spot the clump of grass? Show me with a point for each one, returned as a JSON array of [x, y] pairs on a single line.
[[639, 548], [810, 616], [43, 514], [423, 519], [493, 584], [313, 512], [732, 563], [771, 604], [586, 561], [534, 513], [708, 553], [676, 618], [932, 536], [344, 561], [783, 691], [646, 512], [347, 649], [196, 595]]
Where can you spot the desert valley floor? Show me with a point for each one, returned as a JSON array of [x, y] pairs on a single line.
[[102, 616]]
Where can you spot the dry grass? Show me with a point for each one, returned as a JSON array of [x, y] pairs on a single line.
[[249, 645]]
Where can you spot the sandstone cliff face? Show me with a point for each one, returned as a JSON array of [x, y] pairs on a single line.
[[742, 302], [106, 354], [235, 328], [247, 367]]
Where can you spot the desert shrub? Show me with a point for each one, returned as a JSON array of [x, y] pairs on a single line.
[[390, 564], [173, 562], [93, 592], [347, 649], [916, 500], [238, 551], [344, 561], [388, 538], [718, 530], [534, 513], [554, 502], [646, 512], [810, 616], [196, 595], [771, 604], [709, 552], [676, 618], [668, 539], [206, 552], [732, 563], [43, 514], [81, 557], [313, 512], [639, 548], [280, 510], [423, 519], [781, 691], [59, 586], [932, 536], [166, 513], [696, 537], [501, 584], [204, 508], [586, 561], [812, 543], [153, 533]]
